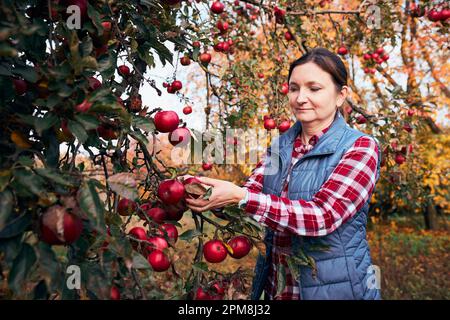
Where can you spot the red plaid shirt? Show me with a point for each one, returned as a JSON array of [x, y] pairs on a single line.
[[340, 197]]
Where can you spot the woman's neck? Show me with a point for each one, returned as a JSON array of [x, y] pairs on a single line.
[[311, 129]]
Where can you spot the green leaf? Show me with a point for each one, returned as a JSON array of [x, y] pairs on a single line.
[[86, 46], [91, 204], [65, 91], [124, 185], [318, 246], [134, 45], [40, 291], [88, 121], [7, 51], [53, 100], [313, 266], [25, 161], [146, 56], [5, 176], [95, 16], [5, 70], [30, 181], [78, 130], [208, 194], [139, 137], [21, 268], [49, 267], [143, 123], [139, 262], [52, 149], [293, 268], [200, 266], [164, 54], [26, 72], [99, 93], [107, 65], [94, 280], [10, 248], [54, 176], [89, 63], [281, 279], [16, 226], [190, 234], [47, 121], [6, 206]]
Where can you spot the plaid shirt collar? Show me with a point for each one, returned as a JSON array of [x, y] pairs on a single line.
[[312, 141]]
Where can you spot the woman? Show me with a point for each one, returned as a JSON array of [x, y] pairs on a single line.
[[320, 193]]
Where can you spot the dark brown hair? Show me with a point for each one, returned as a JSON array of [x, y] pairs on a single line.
[[327, 61]]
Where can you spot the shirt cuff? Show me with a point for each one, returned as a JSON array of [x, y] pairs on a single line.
[[243, 202], [256, 204]]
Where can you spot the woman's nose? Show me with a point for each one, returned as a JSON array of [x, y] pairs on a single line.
[[301, 96]]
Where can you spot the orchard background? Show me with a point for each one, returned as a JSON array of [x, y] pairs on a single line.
[[85, 147]]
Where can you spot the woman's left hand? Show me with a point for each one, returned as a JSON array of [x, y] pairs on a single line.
[[223, 193]]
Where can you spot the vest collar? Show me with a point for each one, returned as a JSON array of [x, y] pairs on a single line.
[[327, 142]]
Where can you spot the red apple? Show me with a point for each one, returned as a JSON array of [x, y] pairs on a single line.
[[177, 85], [94, 83], [170, 230], [241, 246], [284, 126], [205, 58], [157, 215], [288, 36], [285, 88], [126, 207], [342, 50], [58, 226], [180, 136], [207, 166], [434, 15], [407, 127], [269, 124], [185, 61], [361, 119], [399, 158], [83, 106], [20, 86], [187, 110], [106, 132], [214, 251], [115, 293], [171, 191], [156, 243], [166, 121], [217, 7], [158, 260], [124, 71]]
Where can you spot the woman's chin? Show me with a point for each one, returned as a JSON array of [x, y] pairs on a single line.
[[300, 116]]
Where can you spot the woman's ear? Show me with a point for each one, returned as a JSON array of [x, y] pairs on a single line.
[[342, 96]]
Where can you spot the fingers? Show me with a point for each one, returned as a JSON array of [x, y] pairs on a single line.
[[184, 177], [197, 207], [208, 181], [197, 202]]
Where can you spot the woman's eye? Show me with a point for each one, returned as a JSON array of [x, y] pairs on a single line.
[[292, 89], [315, 89]]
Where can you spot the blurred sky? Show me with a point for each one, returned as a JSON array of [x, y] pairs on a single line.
[[196, 119]]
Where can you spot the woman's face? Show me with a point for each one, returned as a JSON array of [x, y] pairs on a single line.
[[313, 96]]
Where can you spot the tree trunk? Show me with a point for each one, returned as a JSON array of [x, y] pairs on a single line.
[[430, 216]]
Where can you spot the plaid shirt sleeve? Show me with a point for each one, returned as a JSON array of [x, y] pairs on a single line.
[[340, 197], [256, 179]]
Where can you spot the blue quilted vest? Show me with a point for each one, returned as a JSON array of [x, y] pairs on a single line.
[[344, 270]]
